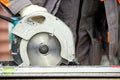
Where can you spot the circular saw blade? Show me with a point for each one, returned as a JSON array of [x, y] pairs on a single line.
[[51, 57]]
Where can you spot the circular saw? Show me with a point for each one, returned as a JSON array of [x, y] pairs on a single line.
[[45, 40]]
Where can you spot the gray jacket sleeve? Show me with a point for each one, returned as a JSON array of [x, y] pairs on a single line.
[[50, 5], [39, 2], [17, 5]]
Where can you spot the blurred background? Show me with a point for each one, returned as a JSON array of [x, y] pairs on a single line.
[[4, 37]]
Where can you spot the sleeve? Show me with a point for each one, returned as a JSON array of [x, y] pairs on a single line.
[[17, 5], [39, 2]]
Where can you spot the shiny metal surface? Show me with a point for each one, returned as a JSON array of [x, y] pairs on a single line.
[[51, 58]]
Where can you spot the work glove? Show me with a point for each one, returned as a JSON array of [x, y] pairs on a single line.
[[31, 9]]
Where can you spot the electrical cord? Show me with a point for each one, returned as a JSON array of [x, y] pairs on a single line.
[[7, 19]]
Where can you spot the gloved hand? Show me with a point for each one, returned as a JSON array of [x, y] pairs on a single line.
[[30, 9]]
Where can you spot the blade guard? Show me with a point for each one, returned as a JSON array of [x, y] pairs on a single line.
[[45, 22]]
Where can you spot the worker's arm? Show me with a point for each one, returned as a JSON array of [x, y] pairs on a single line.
[[23, 7], [16, 5]]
